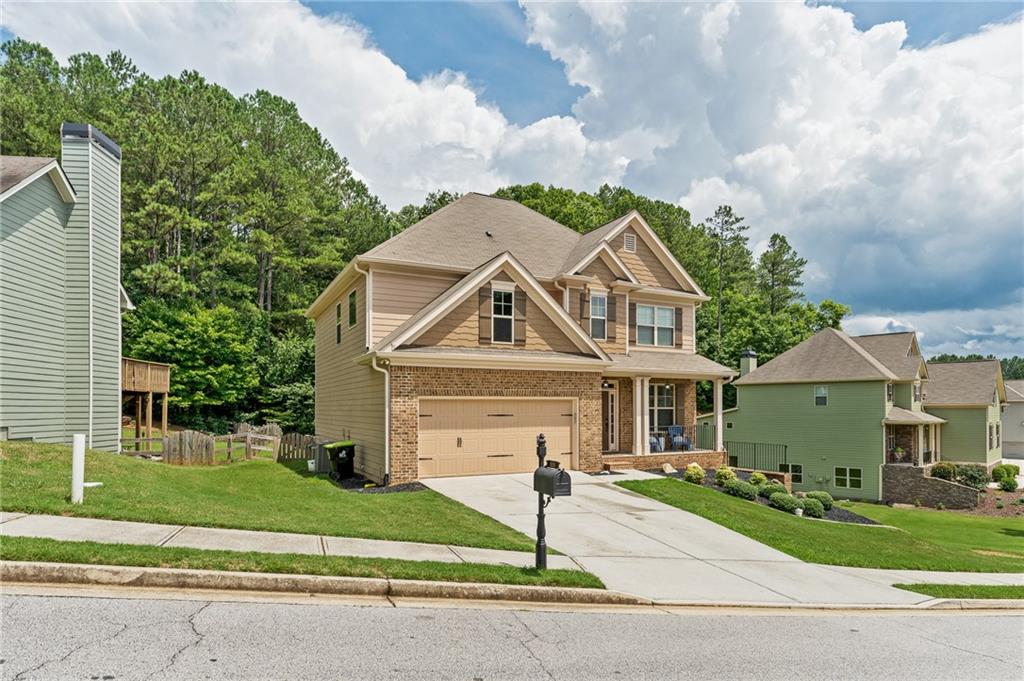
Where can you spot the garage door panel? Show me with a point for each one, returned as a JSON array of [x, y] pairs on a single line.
[[497, 436]]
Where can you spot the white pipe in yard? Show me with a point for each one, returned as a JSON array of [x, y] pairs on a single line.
[[78, 468]]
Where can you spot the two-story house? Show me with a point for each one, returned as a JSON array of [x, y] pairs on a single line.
[[447, 349]]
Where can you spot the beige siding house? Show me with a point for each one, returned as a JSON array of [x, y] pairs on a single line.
[[1013, 421], [447, 349]]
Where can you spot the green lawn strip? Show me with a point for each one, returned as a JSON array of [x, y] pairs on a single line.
[[952, 529], [251, 495], [1003, 591], [93, 553], [821, 542]]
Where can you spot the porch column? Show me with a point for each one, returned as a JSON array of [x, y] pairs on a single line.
[[638, 423], [645, 414], [719, 426]]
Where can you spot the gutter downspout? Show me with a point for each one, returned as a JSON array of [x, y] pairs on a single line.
[[369, 297], [565, 294], [387, 419]]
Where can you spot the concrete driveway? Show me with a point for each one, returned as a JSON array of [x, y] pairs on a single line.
[[640, 546]]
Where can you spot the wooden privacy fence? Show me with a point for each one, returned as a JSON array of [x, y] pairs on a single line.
[[188, 448], [295, 446]]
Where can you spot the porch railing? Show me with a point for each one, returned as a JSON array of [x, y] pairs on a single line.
[[682, 438], [762, 456], [901, 456]]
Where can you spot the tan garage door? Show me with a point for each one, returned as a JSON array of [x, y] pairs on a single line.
[[474, 436]]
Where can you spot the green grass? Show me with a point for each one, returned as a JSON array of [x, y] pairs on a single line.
[[954, 530], [251, 495], [92, 553], [821, 542], [966, 591]]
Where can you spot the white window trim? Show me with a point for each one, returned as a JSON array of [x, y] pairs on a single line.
[[814, 396], [652, 405], [509, 288], [599, 294], [655, 326], [848, 477], [789, 469], [628, 238], [890, 392]]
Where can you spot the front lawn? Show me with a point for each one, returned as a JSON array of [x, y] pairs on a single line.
[[92, 553], [823, 542], [953, 529], [250, 495], [965, 591]]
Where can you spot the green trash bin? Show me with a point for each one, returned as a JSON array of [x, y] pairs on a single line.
[[343, 456]]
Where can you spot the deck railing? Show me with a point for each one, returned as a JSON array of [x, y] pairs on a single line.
[[141, 376], [761, 456]]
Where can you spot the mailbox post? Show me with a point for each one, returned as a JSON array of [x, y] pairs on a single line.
[[551, 481]]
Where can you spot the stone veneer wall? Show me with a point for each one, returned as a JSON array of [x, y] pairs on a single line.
[[408, 384], [678, 460], [904, 484]]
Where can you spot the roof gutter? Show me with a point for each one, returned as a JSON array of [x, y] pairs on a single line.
[[387, 418]]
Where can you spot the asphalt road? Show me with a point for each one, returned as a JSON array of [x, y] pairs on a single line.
[[117, 637]]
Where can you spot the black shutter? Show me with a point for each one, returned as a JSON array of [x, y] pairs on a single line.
[[485, 314], [610, 313], [585, 311], [632, 323], [519, 327], [679, 327]]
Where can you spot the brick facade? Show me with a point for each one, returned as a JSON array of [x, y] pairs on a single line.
[[914, 485], [679, 460], [408, 384]]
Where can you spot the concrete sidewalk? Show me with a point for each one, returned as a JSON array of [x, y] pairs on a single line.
[[182, 536], [640, 546]]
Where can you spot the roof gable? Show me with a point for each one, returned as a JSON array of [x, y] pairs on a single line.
[[897, 351], [829, 356], [605, 252], [18, 172], [636, 221], [441, 306]]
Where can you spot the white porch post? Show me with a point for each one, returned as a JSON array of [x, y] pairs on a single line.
[[719, 426], [646, 415], [638, 423]]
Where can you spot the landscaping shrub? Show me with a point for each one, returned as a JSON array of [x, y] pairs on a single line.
[[822, 497], [771, 488], [758, 478], [1014, 468], [944, 470], [740, 488], [1008, 484], [973, 475], [1000, 472], [785, 502], [694, 473], [722, 474], [813, 507]]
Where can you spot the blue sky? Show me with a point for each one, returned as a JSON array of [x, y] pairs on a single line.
[[488, 42], [883, 139]]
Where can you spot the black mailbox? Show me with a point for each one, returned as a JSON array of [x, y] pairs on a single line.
[[552, 481]]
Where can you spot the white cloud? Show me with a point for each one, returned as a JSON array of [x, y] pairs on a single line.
[[898, 172]]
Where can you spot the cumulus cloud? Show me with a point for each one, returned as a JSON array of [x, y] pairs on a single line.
[[898, 172]]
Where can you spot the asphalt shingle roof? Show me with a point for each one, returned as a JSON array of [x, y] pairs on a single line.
[[14, 169], [827, 356], [1014, 391], [893, 350], [962, 382]]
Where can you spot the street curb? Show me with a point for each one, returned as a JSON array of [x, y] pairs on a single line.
[[174, 578], [976, 604]]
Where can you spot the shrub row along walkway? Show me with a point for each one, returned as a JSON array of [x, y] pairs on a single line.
[[643, 547], [211, 538]]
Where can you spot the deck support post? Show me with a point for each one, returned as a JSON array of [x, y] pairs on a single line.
[[149, 421], [719, 434], [138, 421]]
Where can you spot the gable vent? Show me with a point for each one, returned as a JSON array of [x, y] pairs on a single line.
[[629, 243]]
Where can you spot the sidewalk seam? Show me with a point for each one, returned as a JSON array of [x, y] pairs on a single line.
[[171, 536]]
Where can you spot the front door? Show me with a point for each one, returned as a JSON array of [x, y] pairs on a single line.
[[610, 418]]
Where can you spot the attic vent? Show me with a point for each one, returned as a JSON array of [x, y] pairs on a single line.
[[629, 243]]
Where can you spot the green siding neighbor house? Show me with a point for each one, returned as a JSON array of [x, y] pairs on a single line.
[[970, 396], [842, 407], [60, 293]]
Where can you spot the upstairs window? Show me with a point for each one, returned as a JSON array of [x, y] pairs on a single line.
[[917, 392], [352, 309], [337, 323], [889, 392], [599, 317], [655, 325], [629, 243], [821, 396], [501, 316]]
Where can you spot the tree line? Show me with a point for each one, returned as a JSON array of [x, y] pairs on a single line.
[[236, 213]]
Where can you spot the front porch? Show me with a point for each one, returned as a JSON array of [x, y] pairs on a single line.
[[647, 421], [912, 444]]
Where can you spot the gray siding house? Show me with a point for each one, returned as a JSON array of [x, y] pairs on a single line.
[[60, 292]]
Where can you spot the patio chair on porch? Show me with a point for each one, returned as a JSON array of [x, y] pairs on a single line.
[[656, 445], [678, 439]]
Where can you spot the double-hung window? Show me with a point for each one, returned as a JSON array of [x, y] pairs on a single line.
[[821, 396], [337, 323], [890, 392], [662, 398], [599, 317], [501, 315], [795, 470], [917, 392], [847, 478], [352, 309], [655, 325]]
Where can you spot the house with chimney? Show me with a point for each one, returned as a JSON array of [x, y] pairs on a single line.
[[60, 293]]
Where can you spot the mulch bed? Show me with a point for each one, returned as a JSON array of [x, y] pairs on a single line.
[[1013, 504], [835, 514], [358, 484]]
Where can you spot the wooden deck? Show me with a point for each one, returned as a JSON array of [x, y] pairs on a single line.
[[140, 376]]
